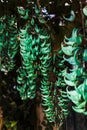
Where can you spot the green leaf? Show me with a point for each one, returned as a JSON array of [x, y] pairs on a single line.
[[13, 123]]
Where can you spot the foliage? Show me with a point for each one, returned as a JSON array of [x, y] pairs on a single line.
[[30, 51]]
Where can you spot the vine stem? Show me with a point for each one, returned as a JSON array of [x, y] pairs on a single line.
[[83, 25]]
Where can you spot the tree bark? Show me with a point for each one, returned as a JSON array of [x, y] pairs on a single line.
[[1, 118]]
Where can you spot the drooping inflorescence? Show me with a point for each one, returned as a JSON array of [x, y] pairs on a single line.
[[8, 42], [76, 78]]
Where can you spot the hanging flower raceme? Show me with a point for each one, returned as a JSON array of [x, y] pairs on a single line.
[[76, 77], [46, 85], [27, 73], [62, 98], [8, 42], [36, 57]]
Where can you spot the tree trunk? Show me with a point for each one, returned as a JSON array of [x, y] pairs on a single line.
[[1, 118], [41, 118]]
